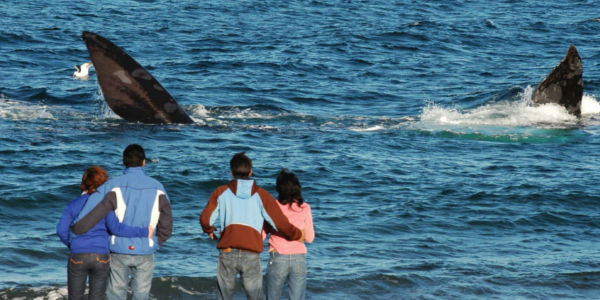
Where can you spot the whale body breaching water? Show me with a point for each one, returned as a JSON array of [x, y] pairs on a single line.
[[83, 71]]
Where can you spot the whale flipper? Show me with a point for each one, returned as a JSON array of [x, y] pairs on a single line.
[[129, 90], [564, 85]]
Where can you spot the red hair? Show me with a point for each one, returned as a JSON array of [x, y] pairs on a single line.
[[92, 178]]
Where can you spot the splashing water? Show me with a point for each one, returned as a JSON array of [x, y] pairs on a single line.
[[506, 120], [589, 105], [507, 114]]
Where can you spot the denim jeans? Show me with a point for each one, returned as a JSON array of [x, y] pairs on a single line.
[[290, 268], [82, 265], [139, 267], [247, 264]]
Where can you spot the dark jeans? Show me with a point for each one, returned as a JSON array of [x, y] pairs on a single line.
[[82, 265]]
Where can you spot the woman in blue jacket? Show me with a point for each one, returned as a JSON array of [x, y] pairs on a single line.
[[90, 254]]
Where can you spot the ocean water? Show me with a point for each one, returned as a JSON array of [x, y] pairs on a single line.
[[409, 123]]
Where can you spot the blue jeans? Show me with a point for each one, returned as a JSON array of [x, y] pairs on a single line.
[[290, 268], [82, 265], [247, 264], [139, 267]]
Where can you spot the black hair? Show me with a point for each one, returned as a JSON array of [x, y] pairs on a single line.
[[134, 156], [240, 165], [288, 187]]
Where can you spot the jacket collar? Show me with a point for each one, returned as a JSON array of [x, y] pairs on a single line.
[[134, 170]]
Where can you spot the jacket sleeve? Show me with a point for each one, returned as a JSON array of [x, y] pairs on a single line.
[[210, 210], [62, 228], [280, 222], [164, 228], [109, 203], [117, 228], [267, 229], [309, 230]]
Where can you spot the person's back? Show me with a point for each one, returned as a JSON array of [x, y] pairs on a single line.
[[93, 241], [299, 216], [89, 256], [96, 240], [287, 262], [136, 199], [137, 196], [240, 209]]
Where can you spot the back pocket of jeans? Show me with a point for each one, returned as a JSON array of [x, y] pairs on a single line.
[[103, 259], [76, 259]]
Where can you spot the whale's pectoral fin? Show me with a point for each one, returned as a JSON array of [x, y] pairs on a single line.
[[129, 89], [564, 85]]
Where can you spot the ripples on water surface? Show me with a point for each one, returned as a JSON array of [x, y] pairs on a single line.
[[409, 123]]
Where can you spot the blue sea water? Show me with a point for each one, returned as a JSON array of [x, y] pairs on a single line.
[[409, 124]]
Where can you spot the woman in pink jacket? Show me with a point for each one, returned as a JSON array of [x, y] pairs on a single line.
[[287, 261]]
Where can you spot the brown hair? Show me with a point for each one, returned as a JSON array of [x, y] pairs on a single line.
[[240, 165], [92, 178], [288, 187]]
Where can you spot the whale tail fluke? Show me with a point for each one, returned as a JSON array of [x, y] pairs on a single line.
[[128, 88]]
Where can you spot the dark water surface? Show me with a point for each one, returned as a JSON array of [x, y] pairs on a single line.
[[409, 124]]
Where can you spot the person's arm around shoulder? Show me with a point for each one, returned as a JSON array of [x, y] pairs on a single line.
[[309, 230], [108, 204], [117, 228], [282, 224], [164, 228]]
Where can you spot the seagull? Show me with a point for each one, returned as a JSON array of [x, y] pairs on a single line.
[[82, 71]]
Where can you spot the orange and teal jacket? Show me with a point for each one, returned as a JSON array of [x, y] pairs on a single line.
[[239, 209]]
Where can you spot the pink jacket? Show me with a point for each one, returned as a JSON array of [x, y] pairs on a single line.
[[299, 216]]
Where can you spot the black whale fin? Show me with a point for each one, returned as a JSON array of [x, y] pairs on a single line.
[[564, 85], [129, 90]]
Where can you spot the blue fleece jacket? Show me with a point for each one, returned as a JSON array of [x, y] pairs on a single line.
[[96, 240], [137, 200]]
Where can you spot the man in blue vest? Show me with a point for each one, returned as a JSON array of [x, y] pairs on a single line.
[[137, 200]]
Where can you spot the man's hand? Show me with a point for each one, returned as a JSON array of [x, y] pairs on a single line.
[[211, 236], [302, 237], [150, 231]]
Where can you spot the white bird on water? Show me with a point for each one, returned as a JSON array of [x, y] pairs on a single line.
[[83, 71]]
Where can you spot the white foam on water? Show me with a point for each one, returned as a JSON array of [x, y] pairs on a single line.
[[248, 113], [16, 110], [60, 293], [503, 114], [589, 105], [199, 111], [261, 127], [41, 293], [367, 129]]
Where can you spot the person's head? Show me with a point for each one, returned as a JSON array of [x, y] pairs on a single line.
[[288, 187], [241, 165], [93, 177], [134, 156]]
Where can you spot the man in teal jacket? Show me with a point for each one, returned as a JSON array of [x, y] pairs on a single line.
[[137, 200]]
